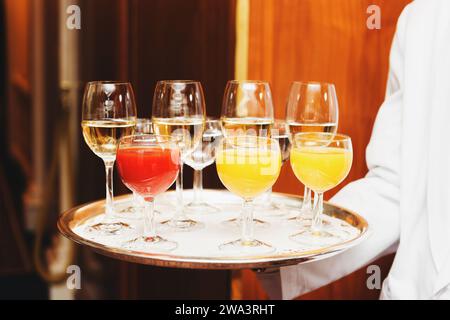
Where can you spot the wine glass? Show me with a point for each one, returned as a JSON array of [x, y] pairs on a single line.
[[108, 113], [134, 211], [279, 132], [247, 109], [248, 166], [148, 165], [311, 107], [320, 161], [179, 111], [203, 155]]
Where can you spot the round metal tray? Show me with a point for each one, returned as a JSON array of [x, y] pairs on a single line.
[[290, 253]]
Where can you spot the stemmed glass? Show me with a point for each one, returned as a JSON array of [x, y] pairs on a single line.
[[248, 166], [203, 155], [108, 113], [247, 110], [311, 107], [134, 211], [179, 111], [148, 165], [320, 161]]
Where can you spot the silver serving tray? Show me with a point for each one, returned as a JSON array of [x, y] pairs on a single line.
[[71, 221]]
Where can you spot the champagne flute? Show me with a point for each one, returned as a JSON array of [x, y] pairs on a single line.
[[320, 161], [148, 165], [108, 113], [134, 211], [203, 155], [311, 107], [247, 110], [248, 166], [179, 111]]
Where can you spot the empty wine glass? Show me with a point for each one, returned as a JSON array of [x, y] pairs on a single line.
[[203, 155]]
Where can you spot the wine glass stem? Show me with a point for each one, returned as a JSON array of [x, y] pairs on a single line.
[[316, 225], [247, 221], [149, 218], [109, 167], [306, 205], [198, 186], [179, 213]]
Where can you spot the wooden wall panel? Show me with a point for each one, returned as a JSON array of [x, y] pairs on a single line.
[[325, 40]]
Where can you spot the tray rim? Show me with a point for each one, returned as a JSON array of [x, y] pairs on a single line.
[[214, 263]]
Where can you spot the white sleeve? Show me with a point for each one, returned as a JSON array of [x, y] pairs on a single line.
[[375, 197]]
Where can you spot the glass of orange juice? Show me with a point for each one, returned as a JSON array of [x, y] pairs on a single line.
[[248, 166], [320, 161]]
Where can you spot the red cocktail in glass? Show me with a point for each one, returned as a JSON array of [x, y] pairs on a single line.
[[148, 165]]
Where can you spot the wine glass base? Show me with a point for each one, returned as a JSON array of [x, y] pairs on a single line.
[[110, 228], [130, 213], [272, 210], [316, 238], [183, 225], [242, 247], [302, 217], [236, 223], [306, 221], [161, 209], [152, 244], [200, 208]]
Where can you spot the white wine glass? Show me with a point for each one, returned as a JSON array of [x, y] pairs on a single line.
[[247, 108], [311, 107], [108, 113], [203, 156], [179, 111]]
